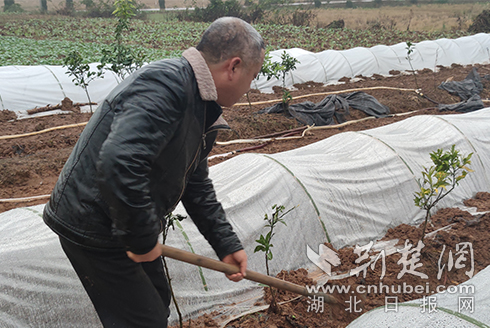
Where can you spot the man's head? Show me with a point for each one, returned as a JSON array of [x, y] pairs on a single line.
[[234, 52]]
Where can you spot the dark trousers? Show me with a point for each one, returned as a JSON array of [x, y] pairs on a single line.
[[125, 294]]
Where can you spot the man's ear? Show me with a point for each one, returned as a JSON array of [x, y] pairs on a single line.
[[234, 63]]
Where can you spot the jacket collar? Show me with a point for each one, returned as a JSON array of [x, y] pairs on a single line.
[[205, 82]]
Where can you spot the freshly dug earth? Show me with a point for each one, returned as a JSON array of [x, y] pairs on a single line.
[[298, 312], [29, 166]]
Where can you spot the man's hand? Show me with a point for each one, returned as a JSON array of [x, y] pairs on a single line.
[[239, 259], [148, 257]]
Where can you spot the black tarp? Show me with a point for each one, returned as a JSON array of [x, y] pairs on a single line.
[[337, 106], [467, 90], [472, 104]]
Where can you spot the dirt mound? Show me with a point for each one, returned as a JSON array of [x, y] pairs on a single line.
[[481, 201], [6, 115]]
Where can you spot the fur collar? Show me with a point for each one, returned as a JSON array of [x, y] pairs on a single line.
[[205, 82]]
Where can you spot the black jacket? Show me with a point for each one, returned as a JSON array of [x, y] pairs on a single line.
[[143, 150]]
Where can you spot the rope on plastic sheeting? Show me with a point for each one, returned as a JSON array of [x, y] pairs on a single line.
[[40, 214], [307, 193], [375, 58]]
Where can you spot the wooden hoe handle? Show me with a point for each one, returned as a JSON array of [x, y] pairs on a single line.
[[209, 263]]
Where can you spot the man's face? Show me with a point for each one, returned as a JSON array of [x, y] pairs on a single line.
[[240, 84]]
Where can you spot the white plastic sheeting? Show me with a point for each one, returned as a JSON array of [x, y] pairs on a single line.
[[38, 287], [330, 65], [449, 311], [25, 87], [349, 188]]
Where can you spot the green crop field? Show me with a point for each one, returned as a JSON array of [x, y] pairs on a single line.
[[33, 39]]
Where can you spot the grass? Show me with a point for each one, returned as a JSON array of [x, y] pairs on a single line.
[[430, 17]]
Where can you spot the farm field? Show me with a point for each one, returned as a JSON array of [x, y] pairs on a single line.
[[422, 17], [29, 166], [33, 40]]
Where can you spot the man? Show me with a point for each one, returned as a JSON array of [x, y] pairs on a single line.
[[144, 150]]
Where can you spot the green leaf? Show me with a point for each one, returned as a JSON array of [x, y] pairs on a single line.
[[259, 248], [261, 240]]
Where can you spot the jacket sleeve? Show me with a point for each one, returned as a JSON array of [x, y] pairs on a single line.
[[146, 118], [200, 202]]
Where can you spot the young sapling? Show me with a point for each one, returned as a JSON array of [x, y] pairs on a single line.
[[278, 70], [81, 72], [169, 223], [269, 69], [265, 244], [119, 58], [288, 64], [439, 180], [410, 48]]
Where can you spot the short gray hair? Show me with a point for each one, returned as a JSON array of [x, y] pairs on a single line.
[[229, 37]]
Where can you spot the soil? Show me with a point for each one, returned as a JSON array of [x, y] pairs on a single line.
[[29, 166], [465, 229]]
